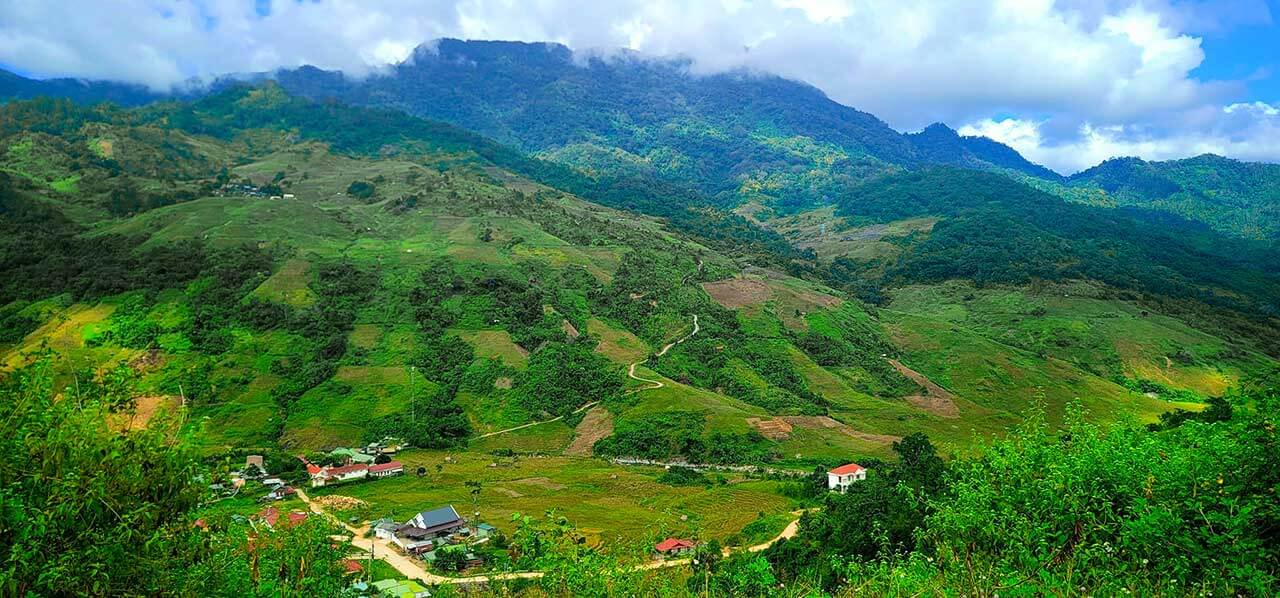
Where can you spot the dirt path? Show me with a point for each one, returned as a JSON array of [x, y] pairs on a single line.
[[537, 423], [656, 384]]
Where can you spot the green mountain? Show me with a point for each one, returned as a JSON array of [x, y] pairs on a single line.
[[733, 138], [251, 272], [1241, 198], [737, 137]]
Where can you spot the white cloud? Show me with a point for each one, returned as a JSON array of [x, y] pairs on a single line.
[[1093, 75], [1247, 132]]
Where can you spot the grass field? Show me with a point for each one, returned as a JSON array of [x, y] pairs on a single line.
[[619, 346], [619, 504], [495, 344]]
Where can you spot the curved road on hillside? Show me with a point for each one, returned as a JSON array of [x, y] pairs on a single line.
[[656, 384], [383, 550], [631, 372]]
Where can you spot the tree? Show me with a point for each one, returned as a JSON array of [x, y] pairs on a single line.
[[94, 509]]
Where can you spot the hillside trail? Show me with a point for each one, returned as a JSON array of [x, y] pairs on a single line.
[[655, 384], [545, 421], [383, 550], [631, 371]]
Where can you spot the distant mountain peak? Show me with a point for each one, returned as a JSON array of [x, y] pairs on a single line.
[[939, 129]]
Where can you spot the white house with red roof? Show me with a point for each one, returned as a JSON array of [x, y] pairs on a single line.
[[387, 469], [840, 478], [323, 476]]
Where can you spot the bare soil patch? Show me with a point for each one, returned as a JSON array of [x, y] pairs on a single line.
[[596, 424], [145, 408], [736, 293], [932, 398], [337, 502], [503, 383], [149, 360], [773, 429], [569, 329], [821, 422]]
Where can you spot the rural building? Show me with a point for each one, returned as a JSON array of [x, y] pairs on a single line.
[[400, 588], [385, 529], [271, 517], [324, 476], [280, 493], [674, 547], [840, 478], [390, 468], [437, 522], [350, 456], [254, 461]]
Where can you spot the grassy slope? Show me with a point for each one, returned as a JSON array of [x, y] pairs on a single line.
[[983, 350], [619, 505]]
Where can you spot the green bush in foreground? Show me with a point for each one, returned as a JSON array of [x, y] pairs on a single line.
[[87, 509]]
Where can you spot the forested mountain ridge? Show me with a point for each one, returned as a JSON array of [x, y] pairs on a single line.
[[738, 136], [735, 138], [1242, 198]]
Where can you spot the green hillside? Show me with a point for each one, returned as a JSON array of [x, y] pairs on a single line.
[[315, 289], [1240, 198]]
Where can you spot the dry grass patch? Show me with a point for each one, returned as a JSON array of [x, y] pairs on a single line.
[[932, 398], [596, 424]]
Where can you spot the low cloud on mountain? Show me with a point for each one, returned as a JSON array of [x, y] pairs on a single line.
[[1066, 83]]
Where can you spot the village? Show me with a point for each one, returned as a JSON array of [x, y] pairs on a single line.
[[440, 540]]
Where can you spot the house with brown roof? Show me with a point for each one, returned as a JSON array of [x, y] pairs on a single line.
[[271, 517]]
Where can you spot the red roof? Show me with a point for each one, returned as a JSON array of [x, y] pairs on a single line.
[[671, 544], [345, 469], [389, 465], [848, 469], [270, 515], [352, 566]]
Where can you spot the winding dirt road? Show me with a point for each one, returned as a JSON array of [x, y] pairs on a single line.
[[655, 384], [538, 423]]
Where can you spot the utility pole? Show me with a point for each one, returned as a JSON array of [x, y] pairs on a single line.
[[413, 400]]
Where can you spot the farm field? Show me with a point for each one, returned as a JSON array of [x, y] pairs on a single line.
[[621, 506]]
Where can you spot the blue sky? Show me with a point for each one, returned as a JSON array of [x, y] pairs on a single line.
[[1246, 52], [1066, 82]]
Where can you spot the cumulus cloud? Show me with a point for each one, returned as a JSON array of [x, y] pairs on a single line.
[[1080, 77]]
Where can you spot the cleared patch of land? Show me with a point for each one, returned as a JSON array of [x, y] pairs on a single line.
[[618, 345], [289, 284], [932, 398], [597, 423], [496, 344]]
